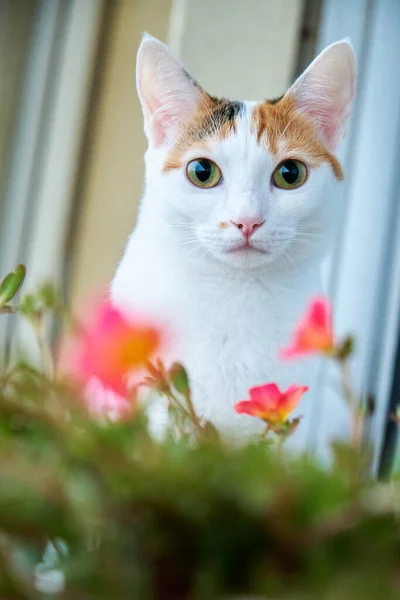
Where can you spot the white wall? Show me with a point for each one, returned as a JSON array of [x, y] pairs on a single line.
[[243, 50]]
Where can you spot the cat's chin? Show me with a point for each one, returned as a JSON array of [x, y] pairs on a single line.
[[244, 258]]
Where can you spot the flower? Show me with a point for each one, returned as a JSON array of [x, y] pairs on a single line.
[[271, 405], [314, 333], [111, 348], [104, 402]]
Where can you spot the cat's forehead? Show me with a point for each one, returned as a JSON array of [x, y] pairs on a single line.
[[274, 125]]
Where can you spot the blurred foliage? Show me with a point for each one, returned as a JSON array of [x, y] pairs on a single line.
[[10, 286], [131, 517]]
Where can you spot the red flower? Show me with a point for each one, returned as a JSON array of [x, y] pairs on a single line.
[[314, 333], [267, 402], [111, 348]]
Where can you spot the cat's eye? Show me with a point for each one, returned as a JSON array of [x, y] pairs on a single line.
[[289, 174], [203, 173]]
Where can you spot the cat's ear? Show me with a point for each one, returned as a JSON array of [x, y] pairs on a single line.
[[325, 91], [166, 91]]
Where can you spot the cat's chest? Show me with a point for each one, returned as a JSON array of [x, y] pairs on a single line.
[[233, 331], [232, 342], [232, 347], [227, 333]]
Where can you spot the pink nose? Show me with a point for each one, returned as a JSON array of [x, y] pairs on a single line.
[[248, 226]]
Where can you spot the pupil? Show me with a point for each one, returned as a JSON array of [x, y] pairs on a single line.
[[203, 170], [290, 171]]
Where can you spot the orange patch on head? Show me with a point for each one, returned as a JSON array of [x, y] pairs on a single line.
[[286, 131], [214, 118], [223, 225]]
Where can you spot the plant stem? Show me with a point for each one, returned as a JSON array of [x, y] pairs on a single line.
[[45, 352], [352, 403], [7, 309], [189, 412], [266, 431], [192, 412], [174, 400]]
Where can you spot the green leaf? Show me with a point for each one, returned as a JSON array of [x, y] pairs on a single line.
[[11, 284], [179, 378], [47, 295], [346, 349], [28, 304]]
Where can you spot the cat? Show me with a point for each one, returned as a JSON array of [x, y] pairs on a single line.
[[237, 214]]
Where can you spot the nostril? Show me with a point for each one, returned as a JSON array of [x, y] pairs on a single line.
[[238, 225], [257, 225], [248, 227]]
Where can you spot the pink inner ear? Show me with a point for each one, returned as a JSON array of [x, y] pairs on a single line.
[[152, 107], [329, 113], [332, 134], [167, 93], [326, 90], [165, 119], [158, 122]]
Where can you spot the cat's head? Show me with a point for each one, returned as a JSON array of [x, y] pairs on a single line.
[[244, 183]]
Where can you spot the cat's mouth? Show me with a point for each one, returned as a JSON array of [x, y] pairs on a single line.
[[246, 248]]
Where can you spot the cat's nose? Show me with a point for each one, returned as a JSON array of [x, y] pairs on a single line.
[[248, 226]]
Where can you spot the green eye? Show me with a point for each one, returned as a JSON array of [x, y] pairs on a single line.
[[203, 173], [289, 174]]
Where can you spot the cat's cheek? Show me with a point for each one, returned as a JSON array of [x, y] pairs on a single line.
[[306, 200], [291, 207], [204, 206]]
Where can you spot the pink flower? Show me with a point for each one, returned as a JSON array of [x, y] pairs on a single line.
[[111, 348], [271, 405], [314, 333], [104, 402]]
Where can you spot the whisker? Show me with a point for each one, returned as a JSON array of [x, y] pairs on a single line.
[[287, 255]]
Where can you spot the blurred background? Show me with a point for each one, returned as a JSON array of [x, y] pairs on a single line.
[[72, 143]]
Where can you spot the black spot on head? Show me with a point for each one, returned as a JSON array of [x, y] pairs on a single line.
[[218, 115], [228, 108], [222, 112], [227, 111]]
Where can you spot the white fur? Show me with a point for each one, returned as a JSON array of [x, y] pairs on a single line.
[[229, 313]]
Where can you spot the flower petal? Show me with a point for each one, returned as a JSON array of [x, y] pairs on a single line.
[[248, 407], [314, 332], [267, 395], [270, 404], [112, 347], [290, 352], [319, 314], [290, 399]]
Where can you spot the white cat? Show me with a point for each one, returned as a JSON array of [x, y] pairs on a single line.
[[238, 211]]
